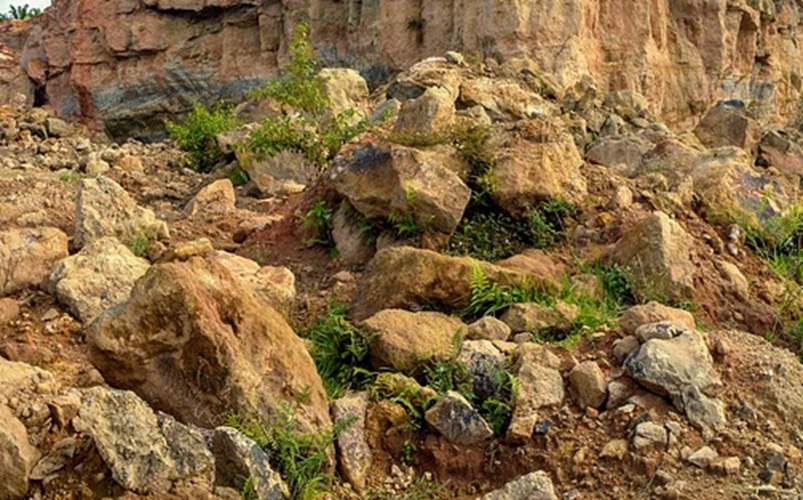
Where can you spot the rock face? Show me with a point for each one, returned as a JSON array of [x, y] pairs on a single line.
[[99, 276], [145, 452], [727, 124], [197, 343], [98, 63], [104, 208], [17, 456], [27, 256]]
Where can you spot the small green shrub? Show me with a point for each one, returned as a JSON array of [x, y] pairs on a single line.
[[318, 221], [238, 176], [196, 135], [308, 130], [139, 244], [491, 299], [340, 352], [300, 457]]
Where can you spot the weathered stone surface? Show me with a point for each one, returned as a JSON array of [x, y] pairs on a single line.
[[488, 328], [56, 459], [98, 63], [537, 163], [669, 366], [538, 263], [655, 253], [533, 486], [145, 452], [649, 436], [728, 124], [703, 457], [618, 151], [346, 90], [216, 198], [271, 175], [354, 453], [28, 255], [653, 312], [353, 245], [101, 275], [505, 99], [197, 343], [540, 387], [777, 149], [103, 208], [9, 310], [483, 362], [539, 319], [624, 346], [430, 113], [589, 385], [17, 456], [405, 277], [276, 285], [661, 330], [455, 418], [397, 181], [403, 340], [732, 188], [238, 458], [705, 413]]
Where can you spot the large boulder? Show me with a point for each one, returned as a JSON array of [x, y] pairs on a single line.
[[27, 256], [730, 188], [104, 208], [391, 180], [17, 456], [346, 90], [728, 124], [428, 114], [99, 276], [538, 162], [146, 452], [402, 340], [656, 255], [405, 277], [197, 343]]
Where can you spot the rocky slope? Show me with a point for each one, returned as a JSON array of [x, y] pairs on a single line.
[[125, 66], [151, 316]]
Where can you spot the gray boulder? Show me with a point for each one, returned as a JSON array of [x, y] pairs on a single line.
[[458, 421]]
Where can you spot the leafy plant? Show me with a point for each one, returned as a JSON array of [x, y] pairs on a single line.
[[340, 352], [238, 176], [196, 135], [20, 12], [307, 127], [318, 221], [300, 457], [139, 244]]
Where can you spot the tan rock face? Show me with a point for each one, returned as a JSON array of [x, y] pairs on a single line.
[[17, 456], [98, 61], [28, 255], [197, 343]]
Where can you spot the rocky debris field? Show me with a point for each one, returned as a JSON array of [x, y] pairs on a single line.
[[503, 289]]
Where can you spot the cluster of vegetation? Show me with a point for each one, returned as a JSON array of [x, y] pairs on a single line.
[[300, 457], [304, 126], [20, 12], [340, 352], [196, 135], [594, 309], [486, 232], [307, 127], [779, 240]]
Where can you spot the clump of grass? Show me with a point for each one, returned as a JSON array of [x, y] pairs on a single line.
[[196, 135], [139, 244], [340, 352], [299, 457], [594, 310]]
